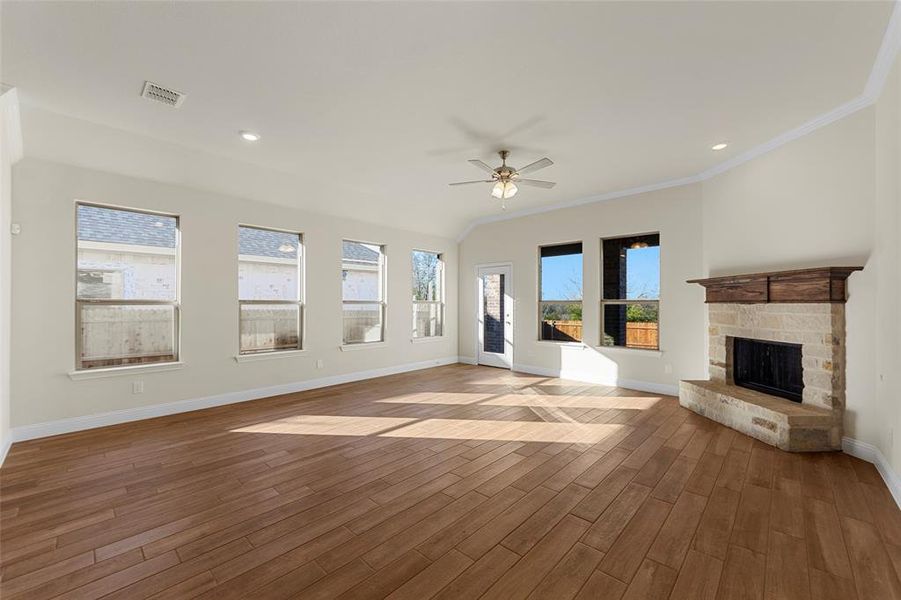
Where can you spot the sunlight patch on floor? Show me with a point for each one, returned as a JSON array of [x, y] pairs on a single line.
[[462, 429], [529, 400], [327, 425]]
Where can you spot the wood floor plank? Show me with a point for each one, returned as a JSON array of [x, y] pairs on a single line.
[[653, 581], [481, 575], [874, 572], [699, 578], [674, 539], [626, 554], [452, 482], [786, 569], [525, 575], [743, 575], [569, 575], [715, 528]]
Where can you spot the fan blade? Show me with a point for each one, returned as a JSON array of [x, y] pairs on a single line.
[[476, 162], [468, 182], [538, 164], [536, 183]]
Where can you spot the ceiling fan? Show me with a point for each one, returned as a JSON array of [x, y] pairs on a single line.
[[505, 178]]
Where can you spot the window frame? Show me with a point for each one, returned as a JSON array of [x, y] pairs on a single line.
[[301, 290], [542, 302], [383, 294], [624, 301], [441, 297], [175, 304]]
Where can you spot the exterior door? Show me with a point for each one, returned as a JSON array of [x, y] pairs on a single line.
[[495, 316]]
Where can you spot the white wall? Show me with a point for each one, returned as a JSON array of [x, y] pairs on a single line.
[[808, 203], [888, 265], [43, 335], [675, 213]]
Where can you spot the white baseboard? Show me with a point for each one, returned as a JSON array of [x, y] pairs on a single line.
[[872, 454], [467, 360], [632, 384], [39, 430]]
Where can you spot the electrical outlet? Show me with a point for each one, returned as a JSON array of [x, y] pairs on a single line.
[[667, 368], [137, 387], [319, 363]]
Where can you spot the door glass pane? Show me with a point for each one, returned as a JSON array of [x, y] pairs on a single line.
[[267, 327], [493, 312], [362, 322], [113, 335]]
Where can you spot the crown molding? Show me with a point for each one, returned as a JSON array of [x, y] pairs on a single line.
[[885, 58], [536, 210]]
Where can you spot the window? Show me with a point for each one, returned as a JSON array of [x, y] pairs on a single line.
[[270, 286], [127, 309], [631, 298], [560, 293], [428, 294], [363, 292]]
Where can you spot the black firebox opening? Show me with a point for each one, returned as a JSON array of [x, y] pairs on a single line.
[[769, 367]]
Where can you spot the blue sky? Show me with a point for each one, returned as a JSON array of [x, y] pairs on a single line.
[[561, 276]]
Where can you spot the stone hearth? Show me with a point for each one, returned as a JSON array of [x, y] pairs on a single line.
[[815, 423]]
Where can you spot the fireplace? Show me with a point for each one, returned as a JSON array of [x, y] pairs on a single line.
[[776, 357], [770, 367]]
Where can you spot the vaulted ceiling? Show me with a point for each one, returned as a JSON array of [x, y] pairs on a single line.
[[368, 110]]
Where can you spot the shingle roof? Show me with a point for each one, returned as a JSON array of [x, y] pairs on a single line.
[[358, 252], [115, 226], [98, 224], [265, 242]]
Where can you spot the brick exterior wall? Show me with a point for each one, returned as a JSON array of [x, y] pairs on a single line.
[[493, 311]]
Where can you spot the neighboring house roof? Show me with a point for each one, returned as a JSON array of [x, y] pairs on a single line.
[[357, 252], [265, 242], [98, 224], [112, 226]]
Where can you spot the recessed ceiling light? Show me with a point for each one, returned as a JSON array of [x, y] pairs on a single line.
[[719, 146], [250, 136]]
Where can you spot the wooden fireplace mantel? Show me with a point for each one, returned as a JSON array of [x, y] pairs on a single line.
[[822, 284]]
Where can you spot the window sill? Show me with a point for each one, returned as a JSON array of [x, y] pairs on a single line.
[[636, 351], [126, 370], [362, 346], [243, 358], [426, 340], [562, 344]]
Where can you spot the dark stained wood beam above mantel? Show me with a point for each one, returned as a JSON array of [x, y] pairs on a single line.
[[822, 284]]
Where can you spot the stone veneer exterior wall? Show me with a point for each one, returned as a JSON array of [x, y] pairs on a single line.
[[819, 328]]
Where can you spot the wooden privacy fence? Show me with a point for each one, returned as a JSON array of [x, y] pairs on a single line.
[[638, 335], [561, 331], [642, 335], [362, 325]]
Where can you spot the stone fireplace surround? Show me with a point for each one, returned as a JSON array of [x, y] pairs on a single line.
[[803, 307]]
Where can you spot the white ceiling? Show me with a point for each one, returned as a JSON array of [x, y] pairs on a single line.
[[375, 107]]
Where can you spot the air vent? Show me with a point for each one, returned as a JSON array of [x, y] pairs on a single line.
[[158, 93]]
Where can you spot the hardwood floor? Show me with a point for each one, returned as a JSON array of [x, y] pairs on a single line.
[[454, 482]]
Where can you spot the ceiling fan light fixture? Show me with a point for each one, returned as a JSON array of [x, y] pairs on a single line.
[[504, 190]]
